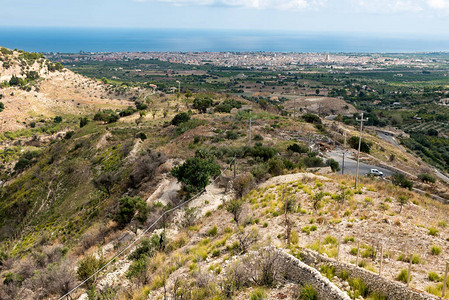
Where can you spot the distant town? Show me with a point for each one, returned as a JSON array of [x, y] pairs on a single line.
[[259, 59]]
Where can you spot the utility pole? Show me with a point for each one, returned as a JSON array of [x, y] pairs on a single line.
[[179, 89], [344, 151], [360, 143], [250, 130]]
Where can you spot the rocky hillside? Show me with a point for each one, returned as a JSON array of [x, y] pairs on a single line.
[[33, 90], [99, 176]]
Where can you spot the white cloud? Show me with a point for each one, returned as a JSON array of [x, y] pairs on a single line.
[[359, 6], [438, 4], [388, 6], [395, 6], [257, 4]]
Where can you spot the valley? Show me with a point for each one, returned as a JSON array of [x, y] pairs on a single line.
[[202, 181]]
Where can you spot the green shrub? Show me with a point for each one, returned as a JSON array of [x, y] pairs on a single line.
[[2, 106], [231, 135], [195, 173], [433, 231], [213, 231], [69, 135], [403, 276], [313, 162], [359, 287], [298, 148], [328, 271], [127, 112], [202, 103], [401, 180], [227, 105], [364, 145], [311, 118], [435, 250], [57, 119], [406, 258], [425, 177], [258, 137], [258, 294], [348, 239], [335, 166], [128, 207], [26, 160], [432, 276], [368, 251], [146, 248], [261, 151], [344, 275], [186, 126], [139, 270], [141, 105], [275, 166], [83, 121], [308, 293], [107, 116], [180, 118], [87, 267], [141, 136]]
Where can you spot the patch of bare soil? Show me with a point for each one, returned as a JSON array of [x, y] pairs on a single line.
[[322, 105]]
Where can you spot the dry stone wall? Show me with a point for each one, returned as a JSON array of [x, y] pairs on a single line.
[[299, 272], [390, 289]]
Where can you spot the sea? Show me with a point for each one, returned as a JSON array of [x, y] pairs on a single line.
[[73, 40]]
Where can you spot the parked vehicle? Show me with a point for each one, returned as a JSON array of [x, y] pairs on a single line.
[[376, 172]]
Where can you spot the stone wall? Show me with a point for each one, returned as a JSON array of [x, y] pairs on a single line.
[[299, 272], [390, 289]]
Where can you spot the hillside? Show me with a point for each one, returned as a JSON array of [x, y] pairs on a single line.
[[35, 89], [94, 170]]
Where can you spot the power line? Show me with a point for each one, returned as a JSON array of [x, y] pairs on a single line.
[[144, 232]]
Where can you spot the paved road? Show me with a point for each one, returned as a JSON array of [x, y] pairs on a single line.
[[389, 139], [351, 165]]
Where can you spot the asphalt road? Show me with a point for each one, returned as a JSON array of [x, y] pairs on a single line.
[[351, 165]]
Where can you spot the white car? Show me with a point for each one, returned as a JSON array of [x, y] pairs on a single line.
[[376, 172]]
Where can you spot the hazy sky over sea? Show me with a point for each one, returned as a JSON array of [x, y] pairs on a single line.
[[387, 17]]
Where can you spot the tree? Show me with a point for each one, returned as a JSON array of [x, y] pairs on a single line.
[[105, 182], [427, 178], [188, 94], [311, 118], [83, 121], [140, 270], [180, 118], [364, 145], [335, 166], [57, 119], [235, 208], [2, 106], [107, 116], [432, 132], [317, 91], [263, 104], [127, 209], [15, 81], [202, 104], [399, 179], [87, 267], [195, 173], [316, 199], [402, 200], [298, 148]]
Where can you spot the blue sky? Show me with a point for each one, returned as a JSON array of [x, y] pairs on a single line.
[[393, 17]]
